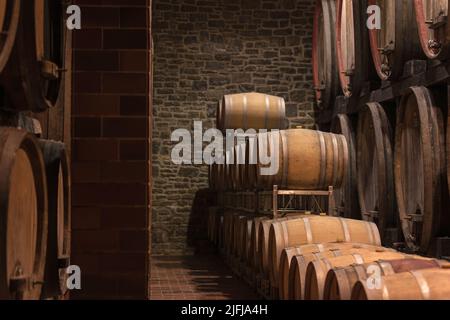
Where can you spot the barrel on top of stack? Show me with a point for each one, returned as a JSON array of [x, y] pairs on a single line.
[[36, 44]]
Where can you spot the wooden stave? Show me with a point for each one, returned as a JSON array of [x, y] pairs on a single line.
[[342, 125], [26, 87], [12, 140], [275, 247], [343, 279], [56, 158], [412, 283], [317, 270], [14, 9], [327, 9], [441, 53], [364, 70], [432, 144], [407, 49], [383, 152]]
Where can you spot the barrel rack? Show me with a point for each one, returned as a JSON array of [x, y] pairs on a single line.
[[427, 73]]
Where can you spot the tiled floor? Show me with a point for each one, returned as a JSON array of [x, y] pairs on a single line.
[[195, 278]]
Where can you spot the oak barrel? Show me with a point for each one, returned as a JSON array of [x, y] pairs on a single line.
[[23, 216], [57, 169], [34, 78], [307, 160], [355, 65], [9, 20], [313, 230], [334, 249], [433, 26], [325, 72], [397, 41], [253, 254], [345, 197], [375, 167], [340, 281], [425, 284], [252, 111], [419, 167], [317, 270]]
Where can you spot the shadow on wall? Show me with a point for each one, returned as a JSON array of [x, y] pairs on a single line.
[[198, 221]]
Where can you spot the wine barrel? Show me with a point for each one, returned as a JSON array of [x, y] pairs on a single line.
[[419, 163], [299, 265], [262, 251], [59, 227], [432, 22], [238, 223], [228, 231], [375, 167], [325, 72], [253, 254], [345, 197], [307, 160], [23, 215], [340, 281], [244, 238], [251, 154], [428, 284], [34, 78], [398, 39], [334, 249], [252, 111], [315, 229], [9, 20], [317, 270], [352, 46]]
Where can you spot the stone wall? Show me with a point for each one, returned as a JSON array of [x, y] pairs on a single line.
[[203, 50]]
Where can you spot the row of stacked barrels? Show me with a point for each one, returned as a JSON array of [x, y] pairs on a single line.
[[313, 257], [352, 52], [34, 173]]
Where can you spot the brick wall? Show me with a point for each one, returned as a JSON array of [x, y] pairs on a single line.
[[111, 149], [203, 50]]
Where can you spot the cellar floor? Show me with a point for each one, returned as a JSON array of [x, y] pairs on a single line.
[[204, 277]]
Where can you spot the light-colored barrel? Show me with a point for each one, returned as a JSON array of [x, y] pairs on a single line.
[[429, 284], [313, 230], [252, 111], [340, 281], [307, 159]]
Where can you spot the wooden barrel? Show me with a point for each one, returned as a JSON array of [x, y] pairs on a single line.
[[59, 218], [244, 238], [307, 160], [345, 197], [317, 270], [352, 46], [398, 39], [299, 265], [334, 249], [325, 72], [9, 20], [425, 284], [23, 215], [375, 167], [253, 257], [229, 182], [340, 281], [432, 22], [34, 80], [419, 164], [252, 111], [251, 154], [312, 230], [238, 224], [228, 231]]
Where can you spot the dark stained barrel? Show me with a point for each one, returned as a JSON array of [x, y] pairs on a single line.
[[59, 219], [419, 163], [9, 19], [397, 41], [375, 167], [345, 197], [352, 46], [34, 78], [325, 71], [23, 216], [434, 32]]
